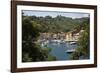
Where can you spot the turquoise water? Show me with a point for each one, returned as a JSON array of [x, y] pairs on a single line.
[[58, 50]]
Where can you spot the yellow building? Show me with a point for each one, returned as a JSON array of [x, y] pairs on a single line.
[[73, 35], [68, 36]]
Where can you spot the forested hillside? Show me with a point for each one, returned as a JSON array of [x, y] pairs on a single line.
[[32, 26], [52, 24]]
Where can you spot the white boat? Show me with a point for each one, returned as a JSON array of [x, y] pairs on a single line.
[[43, 43], [70, 51], [71, 43], [57, 41]]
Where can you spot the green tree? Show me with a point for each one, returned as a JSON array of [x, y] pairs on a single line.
[[30, 33], [83, 44]]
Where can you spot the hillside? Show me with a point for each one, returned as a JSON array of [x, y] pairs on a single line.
[[57, 24]]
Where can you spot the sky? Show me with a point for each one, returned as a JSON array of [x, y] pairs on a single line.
[[54, 14]]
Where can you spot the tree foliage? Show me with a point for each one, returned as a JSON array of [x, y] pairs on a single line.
[[30, 33], [52, 24], [82, 51]]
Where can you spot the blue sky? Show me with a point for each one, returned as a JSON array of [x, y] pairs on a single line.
[[54, 14]]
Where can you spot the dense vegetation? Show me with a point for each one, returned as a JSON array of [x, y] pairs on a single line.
[[32, 26], [31, 51], [52, 24], [82, 51]]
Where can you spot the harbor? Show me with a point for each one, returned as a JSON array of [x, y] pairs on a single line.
[[60, 49]]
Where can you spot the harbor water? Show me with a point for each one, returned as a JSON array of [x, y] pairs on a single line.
[[59, 50]]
